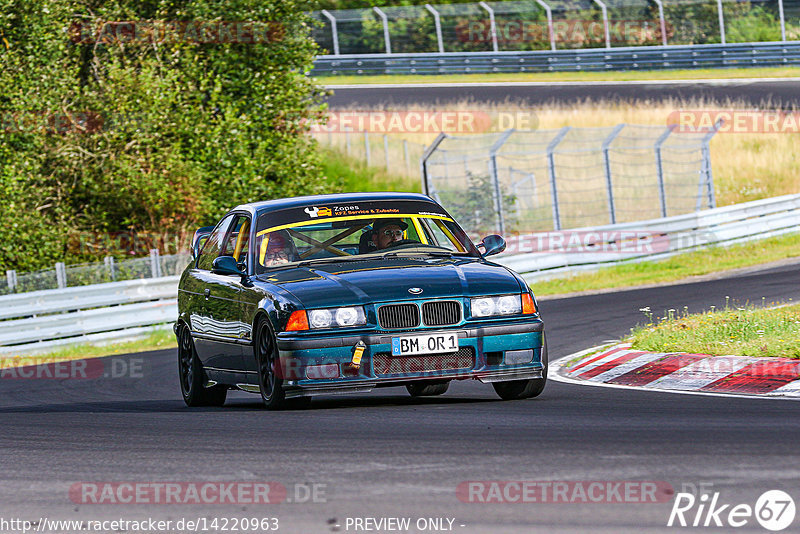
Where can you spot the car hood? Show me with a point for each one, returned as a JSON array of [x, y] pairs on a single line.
[[389, 280]]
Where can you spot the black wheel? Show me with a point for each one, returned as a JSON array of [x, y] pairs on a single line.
[[421, 389], [192, 376], [524, 389], [269, 383]]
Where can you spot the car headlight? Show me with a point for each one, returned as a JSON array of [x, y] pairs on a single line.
[[336, 317], [494, 306]]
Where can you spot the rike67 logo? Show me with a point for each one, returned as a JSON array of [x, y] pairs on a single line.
[[774, 510]]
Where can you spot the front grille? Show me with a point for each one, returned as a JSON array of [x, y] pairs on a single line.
[[384, 364], [398, 316], [441, 313]]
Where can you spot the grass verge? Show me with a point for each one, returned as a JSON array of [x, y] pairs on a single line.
[[745, 331], [617, 76], [157, 340], [702, 262], [352, 175]]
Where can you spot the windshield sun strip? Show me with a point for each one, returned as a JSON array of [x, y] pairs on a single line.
[[352, 218]]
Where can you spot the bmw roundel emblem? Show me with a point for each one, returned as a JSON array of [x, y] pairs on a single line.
[[415, 290]]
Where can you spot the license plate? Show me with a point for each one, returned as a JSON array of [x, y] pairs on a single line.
[[427, 344]]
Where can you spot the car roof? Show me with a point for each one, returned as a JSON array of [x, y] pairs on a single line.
[[293, 202]]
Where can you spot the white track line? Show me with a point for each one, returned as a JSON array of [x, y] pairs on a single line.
[[792, 389], [555, 370]]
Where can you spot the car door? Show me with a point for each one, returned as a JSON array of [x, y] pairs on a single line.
[[216, 330]]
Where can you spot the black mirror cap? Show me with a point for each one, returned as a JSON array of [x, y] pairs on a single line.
[[199, 239], [226, 265], [493, 244]]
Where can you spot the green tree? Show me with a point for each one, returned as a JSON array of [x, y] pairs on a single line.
[[152, 135]]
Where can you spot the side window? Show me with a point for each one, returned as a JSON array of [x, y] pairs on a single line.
[[213, 244], [237, 242]]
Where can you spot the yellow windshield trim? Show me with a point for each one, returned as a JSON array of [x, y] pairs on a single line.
[[353, 218], [450, 236], [418, 227], [262, 254]]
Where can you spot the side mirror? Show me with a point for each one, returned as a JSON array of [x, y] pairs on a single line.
[[226, 265], [493, 244], [201, 235]]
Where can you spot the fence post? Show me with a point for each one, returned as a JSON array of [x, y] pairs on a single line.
[[551, 170], [706, 178], [438, 23], [61, 275], [427, 187], [492, 25], [334, 31], [347, 142], [11, 277], [386, 150], [112, 271], [721, 22], [783, 20], [550, 31], [366, 149], [405, 157], [662, 22], [607, 168], [387, 41], [605, 22], [494, 174], [155, 263], [662, 192]]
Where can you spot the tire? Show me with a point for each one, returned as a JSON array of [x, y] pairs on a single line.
[[192, 376], [524, 389], [269, 384], [420, 389]]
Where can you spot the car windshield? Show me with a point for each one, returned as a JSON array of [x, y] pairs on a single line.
[[357, 231]]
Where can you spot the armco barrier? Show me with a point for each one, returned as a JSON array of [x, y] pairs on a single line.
[[587, 59], [43, 320], [673, 235]]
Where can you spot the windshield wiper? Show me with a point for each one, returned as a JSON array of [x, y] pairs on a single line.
[[436, 253]]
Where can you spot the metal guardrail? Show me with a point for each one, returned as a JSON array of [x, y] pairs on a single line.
[[666, 237], [590, 59], [45, 320]]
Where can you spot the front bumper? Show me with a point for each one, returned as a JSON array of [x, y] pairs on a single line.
[[316, 365]]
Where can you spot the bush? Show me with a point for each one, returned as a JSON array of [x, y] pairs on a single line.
[[145, 137]]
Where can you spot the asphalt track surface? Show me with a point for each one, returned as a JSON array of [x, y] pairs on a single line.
[[759, 93], [384, 454]]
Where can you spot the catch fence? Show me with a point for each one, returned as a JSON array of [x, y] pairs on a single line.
[[62, 276], [542, 180], [553, 25]]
